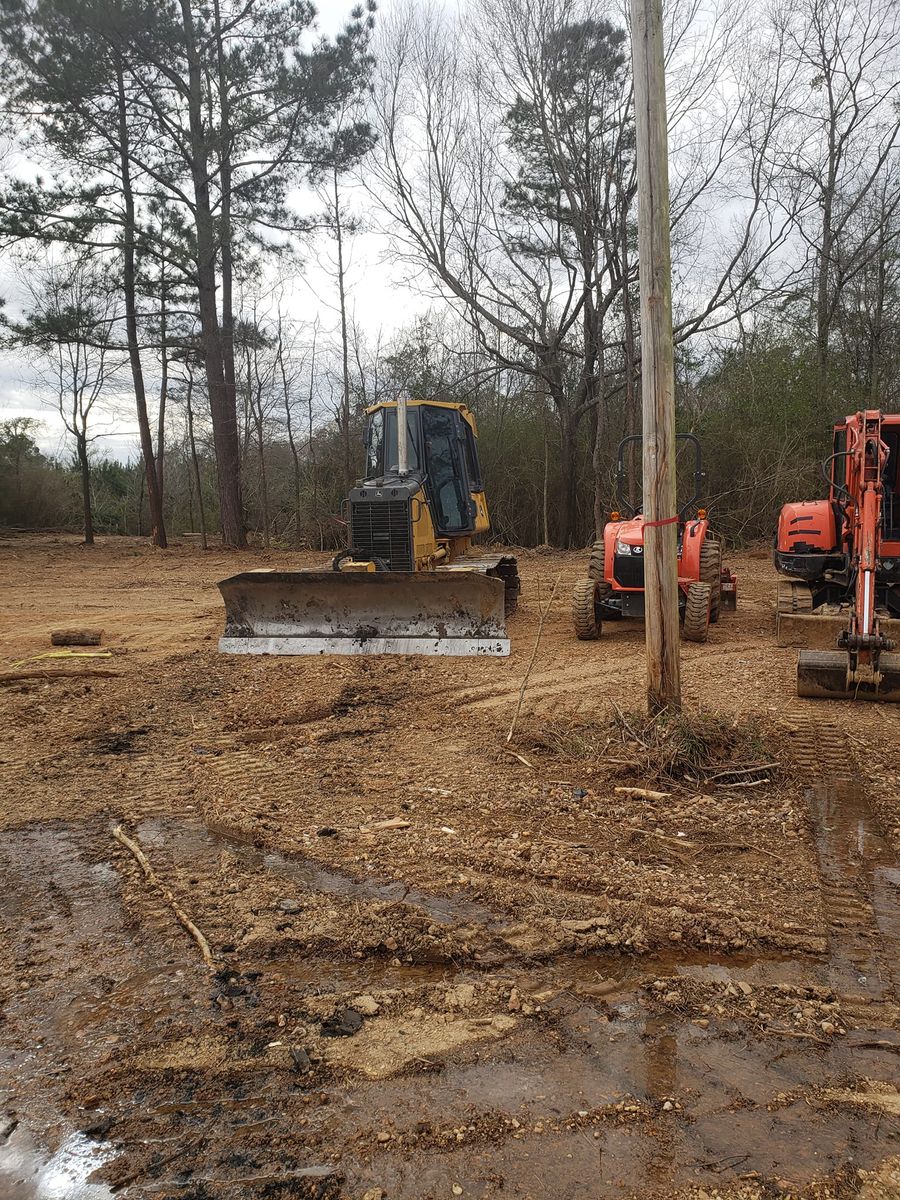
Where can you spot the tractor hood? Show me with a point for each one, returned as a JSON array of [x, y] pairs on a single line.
[[630, 532]]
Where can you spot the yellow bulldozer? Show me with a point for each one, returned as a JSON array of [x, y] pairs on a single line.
[[408, 581]]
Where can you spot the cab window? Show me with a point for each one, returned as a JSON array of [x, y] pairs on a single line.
[[447, 483], [375, 445], [474, 469], [390, 440]]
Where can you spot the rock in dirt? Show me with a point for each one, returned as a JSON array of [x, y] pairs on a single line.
[[461, 996], [99, 1128], [587, 926], [367, 1005], [290, 906], [602, 987], [302, 1061], [344, 1023]]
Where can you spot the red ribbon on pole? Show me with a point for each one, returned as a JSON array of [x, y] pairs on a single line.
[[667, 521]]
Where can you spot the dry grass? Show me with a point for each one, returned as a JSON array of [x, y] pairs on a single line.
[[694, 747]]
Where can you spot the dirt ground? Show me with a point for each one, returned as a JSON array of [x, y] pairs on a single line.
[[443, 963]]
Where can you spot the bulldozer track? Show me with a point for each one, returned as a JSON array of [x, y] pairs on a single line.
[[859, 911], [821, 751]]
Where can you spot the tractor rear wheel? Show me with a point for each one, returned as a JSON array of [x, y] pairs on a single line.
[[587, 607], [697, 612], [596, 563], [711, 572]]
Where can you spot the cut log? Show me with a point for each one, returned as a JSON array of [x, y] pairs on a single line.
[[55, 673], [76, 637]]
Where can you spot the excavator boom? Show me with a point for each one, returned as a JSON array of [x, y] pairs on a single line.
[[862, 667]]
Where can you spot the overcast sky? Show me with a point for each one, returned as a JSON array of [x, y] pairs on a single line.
[[378, 298]]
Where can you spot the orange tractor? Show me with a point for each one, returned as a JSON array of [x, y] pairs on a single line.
[[615, 583], [841, 561]]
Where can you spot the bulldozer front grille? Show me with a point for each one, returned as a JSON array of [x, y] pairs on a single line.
[[382, 529], [628, 570]]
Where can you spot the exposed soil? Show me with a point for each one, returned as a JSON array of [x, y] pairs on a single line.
[[445, 964]]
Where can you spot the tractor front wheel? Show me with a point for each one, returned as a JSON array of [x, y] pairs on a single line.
[[597, 562], [587, 608], [697, 612], [711, 572]]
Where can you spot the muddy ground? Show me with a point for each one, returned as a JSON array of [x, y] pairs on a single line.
[[444, 963]]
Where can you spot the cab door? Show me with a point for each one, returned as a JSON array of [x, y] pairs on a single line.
[[446, 475]]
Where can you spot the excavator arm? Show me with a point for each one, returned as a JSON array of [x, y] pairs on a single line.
[[862, 666]]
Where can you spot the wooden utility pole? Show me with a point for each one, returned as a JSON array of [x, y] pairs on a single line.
[[657, 359]]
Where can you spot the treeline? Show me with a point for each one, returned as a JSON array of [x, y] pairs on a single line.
[[195, 153], [756, 414]]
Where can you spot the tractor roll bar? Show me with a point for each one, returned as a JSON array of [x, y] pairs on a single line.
[[699, 473]]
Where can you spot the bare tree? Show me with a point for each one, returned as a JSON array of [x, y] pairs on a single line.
[[69, 335], [511, 186], [843, 135]]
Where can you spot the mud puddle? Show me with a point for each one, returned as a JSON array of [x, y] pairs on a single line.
[[595, 1094], [621, 1102], [28, 1173], [194, 841], [860, 889]]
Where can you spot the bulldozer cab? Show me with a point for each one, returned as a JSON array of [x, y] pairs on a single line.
[[441, 452]]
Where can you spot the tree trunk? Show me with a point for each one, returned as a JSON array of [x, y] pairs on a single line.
[[222, 398], [826, 247], [822, 321], [877, 329], [85, 468], [597, 454], [342, 296], [313, 470], [163, 388], [568, 448], [225, 225], [158, 530], [545, 491], [196, 464], [295, 454], [263, 483]]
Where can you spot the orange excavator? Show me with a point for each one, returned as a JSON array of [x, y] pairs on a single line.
[[841, 561]]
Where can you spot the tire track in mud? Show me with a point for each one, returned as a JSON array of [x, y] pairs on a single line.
[[858, 872]]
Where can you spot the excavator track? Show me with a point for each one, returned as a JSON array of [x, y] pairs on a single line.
[[794, 597]]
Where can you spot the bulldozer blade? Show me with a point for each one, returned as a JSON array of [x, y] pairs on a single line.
[[360, 612], [823, 674]]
